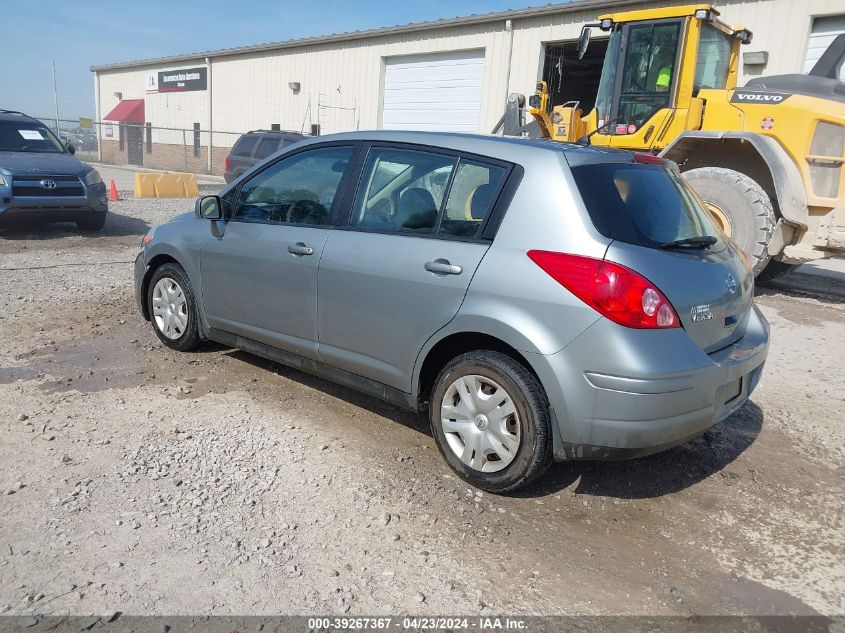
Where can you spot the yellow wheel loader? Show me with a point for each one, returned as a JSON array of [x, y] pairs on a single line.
[[767, 158]]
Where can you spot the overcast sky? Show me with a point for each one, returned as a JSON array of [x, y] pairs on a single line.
[[81, 34]]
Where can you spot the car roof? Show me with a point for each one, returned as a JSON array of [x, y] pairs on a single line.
[[508, 148], [16, 117], [277, 132]]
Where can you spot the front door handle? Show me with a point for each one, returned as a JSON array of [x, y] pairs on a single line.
[[300, 249], [443, 267]]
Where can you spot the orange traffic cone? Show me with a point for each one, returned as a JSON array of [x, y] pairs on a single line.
[[113, 195]]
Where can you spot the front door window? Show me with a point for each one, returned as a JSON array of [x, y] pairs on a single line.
[[299, 189]]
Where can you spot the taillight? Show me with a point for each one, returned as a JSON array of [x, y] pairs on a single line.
[[614, 291], [648, 159], [228, 163]]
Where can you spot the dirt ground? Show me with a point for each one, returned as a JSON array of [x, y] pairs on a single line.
[[139, 479]]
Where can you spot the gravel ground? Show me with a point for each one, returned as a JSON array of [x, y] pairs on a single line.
[[142, 480]]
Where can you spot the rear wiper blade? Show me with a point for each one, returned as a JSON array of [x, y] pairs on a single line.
[[700, 241]]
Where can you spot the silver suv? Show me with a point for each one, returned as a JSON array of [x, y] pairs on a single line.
[[540, 301]]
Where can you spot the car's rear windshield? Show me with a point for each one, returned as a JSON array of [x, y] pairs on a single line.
[[645, 204], [27, 137]]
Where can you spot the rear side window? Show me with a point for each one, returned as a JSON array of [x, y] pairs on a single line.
[[473, 192], [646, 205], [245, 145], [267, 146]]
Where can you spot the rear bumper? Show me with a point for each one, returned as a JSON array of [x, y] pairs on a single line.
[[618, 392]]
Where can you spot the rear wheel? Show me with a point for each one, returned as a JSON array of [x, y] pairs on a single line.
[[740, 207], [94, 222], [491, 421]]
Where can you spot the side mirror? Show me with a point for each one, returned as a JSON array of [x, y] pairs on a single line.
[[71, 149], [583, 41], [209, 208]]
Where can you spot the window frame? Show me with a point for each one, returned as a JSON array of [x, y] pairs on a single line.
[[500, 200], [337, 203]]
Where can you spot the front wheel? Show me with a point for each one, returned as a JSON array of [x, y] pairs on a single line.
[[173, 308], [491, 421], [741, 208]]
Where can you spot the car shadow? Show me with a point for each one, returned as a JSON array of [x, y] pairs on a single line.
[[664, 473], [667, 472], [826, 289], [372, 404], [21, 228]]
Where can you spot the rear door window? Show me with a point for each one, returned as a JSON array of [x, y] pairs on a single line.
[[402, 190], [471, 197], [245, 145], [646, 205]]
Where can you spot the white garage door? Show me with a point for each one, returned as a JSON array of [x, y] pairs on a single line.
[[824, 32], [437, 92]]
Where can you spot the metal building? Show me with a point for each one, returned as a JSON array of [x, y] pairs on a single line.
[[452, 74]]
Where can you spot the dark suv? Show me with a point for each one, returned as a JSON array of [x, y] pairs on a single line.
[[253, 147], [40, 177]]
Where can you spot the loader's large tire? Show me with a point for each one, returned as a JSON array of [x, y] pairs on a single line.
[[740, 206]]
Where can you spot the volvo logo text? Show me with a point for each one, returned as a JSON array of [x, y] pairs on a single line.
[[730, 282], [773, 98], [48, 184]]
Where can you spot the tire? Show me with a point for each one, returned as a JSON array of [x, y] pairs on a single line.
[[775, 269], [184, 334], [528, 432], [96, 222], [747, 207]]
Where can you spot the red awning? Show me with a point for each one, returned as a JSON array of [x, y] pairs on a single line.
[[127, 110]]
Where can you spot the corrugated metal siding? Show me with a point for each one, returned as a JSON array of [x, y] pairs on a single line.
[[824, 32], [341, 83]]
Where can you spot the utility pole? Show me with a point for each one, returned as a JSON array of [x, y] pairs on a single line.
[[56, 97]]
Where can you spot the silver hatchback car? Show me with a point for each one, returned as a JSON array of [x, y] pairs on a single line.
[[539, 300]]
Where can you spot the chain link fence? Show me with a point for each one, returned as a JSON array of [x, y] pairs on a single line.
[[146, 146]]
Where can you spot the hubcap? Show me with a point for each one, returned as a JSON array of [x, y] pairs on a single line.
[[170, 308], [480, 423], [721, 217]]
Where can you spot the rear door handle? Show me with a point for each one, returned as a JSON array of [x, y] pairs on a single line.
[[300, 249], [443, 267]]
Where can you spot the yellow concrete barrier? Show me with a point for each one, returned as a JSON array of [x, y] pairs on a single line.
[[170, 185]]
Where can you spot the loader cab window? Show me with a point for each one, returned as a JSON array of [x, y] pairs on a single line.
[[648, 73], [713, 60], [604, 96]]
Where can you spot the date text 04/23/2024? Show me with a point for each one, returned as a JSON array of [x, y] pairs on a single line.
[[417, 623]]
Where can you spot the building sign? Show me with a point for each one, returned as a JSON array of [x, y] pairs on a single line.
[[183, 80]]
